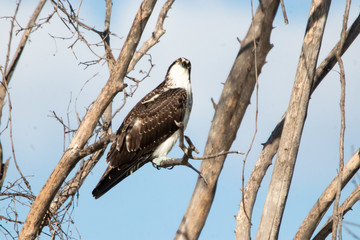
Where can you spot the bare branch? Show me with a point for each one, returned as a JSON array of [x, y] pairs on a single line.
[[317, 212], [272, 144], [4, 84], [10, 220], [256, 115], [344, 208], [72, 19], [75, 183], [156, 35], [9, 70], [67, 129], [70, 158], [23, 41], [184, 161], [171, 162], [10, 40], [229, 112], [106, 36], [284, 11], [337, 217], [274, 206]]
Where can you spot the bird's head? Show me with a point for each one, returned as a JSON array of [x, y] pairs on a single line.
[[178, 74]]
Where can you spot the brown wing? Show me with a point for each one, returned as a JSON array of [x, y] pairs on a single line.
[[147, 125]]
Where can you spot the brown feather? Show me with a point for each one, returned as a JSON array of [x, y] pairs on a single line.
[[149, 123]]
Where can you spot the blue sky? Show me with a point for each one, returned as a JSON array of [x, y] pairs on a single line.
[[150, 204]]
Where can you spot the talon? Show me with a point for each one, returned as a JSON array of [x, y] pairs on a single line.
[[191, 145], [155, 166], [179, 124]]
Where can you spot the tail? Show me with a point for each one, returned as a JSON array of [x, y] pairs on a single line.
[[113, 176]]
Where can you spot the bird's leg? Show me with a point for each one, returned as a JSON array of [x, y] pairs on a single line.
[[187, 150], [181, 137], [171, 162], [191, 147]]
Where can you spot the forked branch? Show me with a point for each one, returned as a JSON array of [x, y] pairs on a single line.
[[184, 161], [317, 212], [271, 146], [70, 158]]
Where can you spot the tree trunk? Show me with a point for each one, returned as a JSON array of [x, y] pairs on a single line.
[[295, 118], [70, 158], [250, 191], [229, 112]]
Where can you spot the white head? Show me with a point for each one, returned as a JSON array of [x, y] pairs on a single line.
[[178, 74]]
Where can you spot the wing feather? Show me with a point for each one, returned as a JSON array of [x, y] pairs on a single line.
[[147, 125]]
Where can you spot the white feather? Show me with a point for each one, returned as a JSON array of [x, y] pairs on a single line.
[[160, 153], [178, 77]]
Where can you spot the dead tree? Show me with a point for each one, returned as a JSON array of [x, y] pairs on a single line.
[[229, 111]]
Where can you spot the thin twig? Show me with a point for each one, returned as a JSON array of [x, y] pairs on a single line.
[[67, 129], [327, 197], [156, 35], [78, 95], [337, 216], [122, 105], [23, 40], [106, 36], [271, 146], [284, 12], [349, 202], [171, 162], [256, 117], [10, 36], [73, 20], [11, 138], [184, 161]]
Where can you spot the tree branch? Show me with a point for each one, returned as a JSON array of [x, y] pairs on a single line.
[[243, 225], [98, 148], [22, 43], [70, 158], [229, 112], [8, 71], [156, 35], [337, 216], [274, 206], [317, 212], [284, 12], [344, 208]]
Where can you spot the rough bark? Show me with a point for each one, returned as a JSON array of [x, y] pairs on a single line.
[[69, 159], [229, 112], [291, 135], [250, 191], [72, 187]]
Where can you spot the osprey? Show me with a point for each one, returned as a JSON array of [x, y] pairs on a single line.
[[151, 128]]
